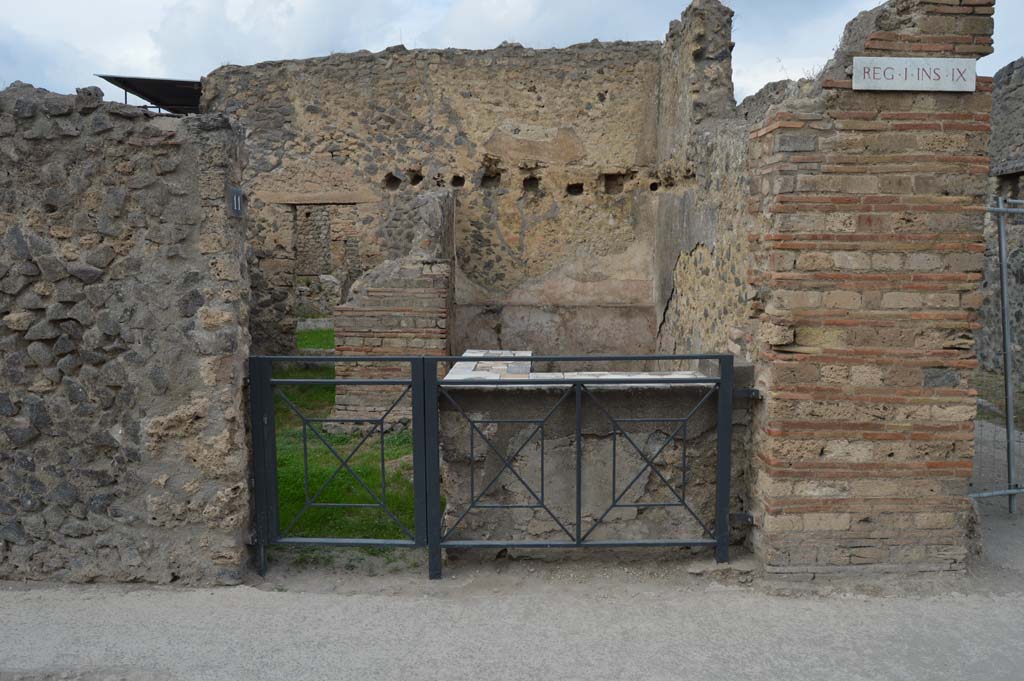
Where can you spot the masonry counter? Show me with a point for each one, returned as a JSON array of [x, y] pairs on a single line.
[[639, 447]]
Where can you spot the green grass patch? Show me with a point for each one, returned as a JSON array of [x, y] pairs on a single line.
[[312, 401], [315, 339], [383, 464]]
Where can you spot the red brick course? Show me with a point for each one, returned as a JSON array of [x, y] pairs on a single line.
[[870, 239]]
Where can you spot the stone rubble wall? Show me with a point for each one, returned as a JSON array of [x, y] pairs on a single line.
[[1007, 151], [990, 337], [868, 214], [701, 285], [1007, 145], [123, 336], [550, 154]]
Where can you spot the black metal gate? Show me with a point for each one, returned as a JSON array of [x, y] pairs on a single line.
[[300, 455]]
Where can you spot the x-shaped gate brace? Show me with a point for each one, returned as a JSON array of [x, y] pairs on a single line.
[[343, 464], [507, 462]]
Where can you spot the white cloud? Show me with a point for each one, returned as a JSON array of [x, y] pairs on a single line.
[[60, 43]]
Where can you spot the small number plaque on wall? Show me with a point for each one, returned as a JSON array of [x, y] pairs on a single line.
[[236, 202], [914, 74]]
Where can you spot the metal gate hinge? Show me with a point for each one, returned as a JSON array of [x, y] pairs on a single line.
[[742, 518], [747, 394]]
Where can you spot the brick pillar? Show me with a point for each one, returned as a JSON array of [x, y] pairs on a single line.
[[870, 213], [399, 308]]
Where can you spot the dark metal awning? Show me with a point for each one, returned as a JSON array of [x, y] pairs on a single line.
[[176, 96]]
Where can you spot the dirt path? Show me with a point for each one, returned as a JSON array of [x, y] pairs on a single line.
[[379, 618]]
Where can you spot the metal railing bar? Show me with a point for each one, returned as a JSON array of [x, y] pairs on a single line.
[[419, 452], [424, 370], [380, 420], [1007, 333], [540, 423], [497, 357], [498, 507], [334, 358], [616, 424], [457, 382], [542, 463], [615, 460], [331, 541], [606, 543], [340, 381], [383, 470], [682, 460], [723, 460], [324, 504], [674, 419], [262, 409], [329, 420], [578, 393], [1000, 493], [305, 459]]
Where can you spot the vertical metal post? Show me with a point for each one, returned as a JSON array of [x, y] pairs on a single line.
[[419, 451], [579, 462], [1011, 435], [260, 403], [724, 467], [432, 468], [270, 461]]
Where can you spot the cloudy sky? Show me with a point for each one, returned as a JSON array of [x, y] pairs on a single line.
[[60, 44]]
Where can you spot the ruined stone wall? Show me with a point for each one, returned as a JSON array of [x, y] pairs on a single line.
[[1007, 151], [123, 316], [702, 249], [550, 154], [868, 214], [1007, 145]]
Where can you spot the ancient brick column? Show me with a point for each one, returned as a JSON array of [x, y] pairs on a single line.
[[870, 215], [399, 308]]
